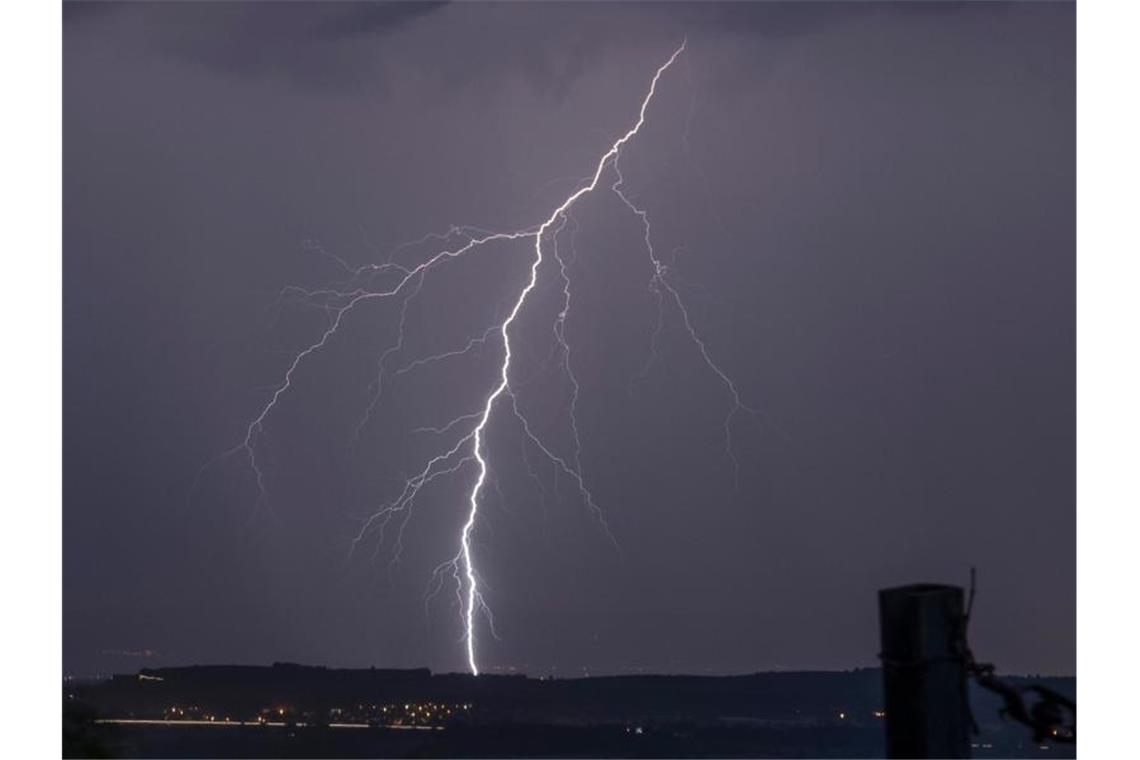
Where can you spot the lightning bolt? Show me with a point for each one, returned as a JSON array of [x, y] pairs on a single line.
[[467, 450], [660, 286]]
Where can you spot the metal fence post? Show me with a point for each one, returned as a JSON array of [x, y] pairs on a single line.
[[924, 673]]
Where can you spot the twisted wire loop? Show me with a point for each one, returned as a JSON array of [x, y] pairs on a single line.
[[1046, 717]]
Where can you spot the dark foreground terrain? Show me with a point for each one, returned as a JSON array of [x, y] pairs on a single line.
[[295, 711]]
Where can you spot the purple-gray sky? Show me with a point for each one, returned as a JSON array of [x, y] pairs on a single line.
[[868, 207]]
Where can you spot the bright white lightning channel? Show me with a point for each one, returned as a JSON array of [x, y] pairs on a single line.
[[406, 282], [504, 381]]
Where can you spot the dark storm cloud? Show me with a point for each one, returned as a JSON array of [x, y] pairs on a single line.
[[869, 207], [311, 44], [369, 19], [338, 47], [328, 45], [83, 10]]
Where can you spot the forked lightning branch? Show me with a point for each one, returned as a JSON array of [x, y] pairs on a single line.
[[470, 454]]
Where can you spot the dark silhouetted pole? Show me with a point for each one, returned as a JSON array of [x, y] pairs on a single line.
[[924, 673]]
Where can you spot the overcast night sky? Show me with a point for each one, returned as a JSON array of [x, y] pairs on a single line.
[[868, 209]]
